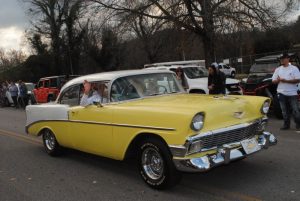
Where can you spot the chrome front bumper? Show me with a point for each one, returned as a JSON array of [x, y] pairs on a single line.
[[223, 155]]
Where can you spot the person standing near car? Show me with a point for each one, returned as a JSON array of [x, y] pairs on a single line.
[[13, 90], [222, 76], [216, 80], [287, 77], [180, 77], [23, 99], [4, 89], [2, 95]]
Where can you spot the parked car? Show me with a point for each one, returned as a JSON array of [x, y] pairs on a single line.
[[149, 116], [227, 70], [30, 87], [259, 80], [197, 79], [48, 88]]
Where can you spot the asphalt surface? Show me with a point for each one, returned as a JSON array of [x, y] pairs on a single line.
[[28, 173]]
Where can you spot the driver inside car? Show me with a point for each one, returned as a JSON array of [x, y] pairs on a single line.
[[98, 93]]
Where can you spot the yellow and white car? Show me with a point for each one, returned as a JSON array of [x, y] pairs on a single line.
[[147, 115]]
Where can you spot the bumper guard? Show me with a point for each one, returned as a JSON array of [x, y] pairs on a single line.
[[224, 155]]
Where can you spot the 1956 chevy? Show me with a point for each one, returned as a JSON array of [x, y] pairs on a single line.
[[148, 116]]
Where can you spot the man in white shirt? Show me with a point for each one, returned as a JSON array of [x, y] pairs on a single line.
[[96, 96], [287, 77]]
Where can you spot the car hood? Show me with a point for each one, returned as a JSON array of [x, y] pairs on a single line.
[[255, 78], [220, 111]]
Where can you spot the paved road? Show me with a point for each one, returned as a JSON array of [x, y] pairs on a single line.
[[28, 173]]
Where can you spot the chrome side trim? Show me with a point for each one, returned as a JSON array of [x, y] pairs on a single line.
[[103, 123]]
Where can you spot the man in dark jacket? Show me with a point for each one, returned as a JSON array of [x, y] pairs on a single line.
[[216, 80]]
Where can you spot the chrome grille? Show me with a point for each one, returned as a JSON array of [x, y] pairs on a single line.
[[236, 135]]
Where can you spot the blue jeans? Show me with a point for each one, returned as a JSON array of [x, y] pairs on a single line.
[[289, 104]]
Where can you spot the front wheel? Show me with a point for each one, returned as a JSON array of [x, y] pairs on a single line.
[[232, 74], [156, 166], [50, 143]]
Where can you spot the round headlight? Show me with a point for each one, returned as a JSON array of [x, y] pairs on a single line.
[[197, 122], [265, 107]]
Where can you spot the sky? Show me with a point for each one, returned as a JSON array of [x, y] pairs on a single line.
[[14, 22]]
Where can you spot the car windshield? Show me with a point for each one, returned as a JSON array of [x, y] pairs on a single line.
[[264, 67], [195, 72], [139, 86]]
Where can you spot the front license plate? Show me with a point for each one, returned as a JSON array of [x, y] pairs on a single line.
[[250, 145]]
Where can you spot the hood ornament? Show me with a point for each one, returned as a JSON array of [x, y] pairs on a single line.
[[239, 115]]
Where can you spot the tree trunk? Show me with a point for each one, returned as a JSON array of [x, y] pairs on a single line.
[[209, 49]]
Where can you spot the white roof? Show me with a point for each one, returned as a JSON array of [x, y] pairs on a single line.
[[107, 76], [169, 67], [177, 63]]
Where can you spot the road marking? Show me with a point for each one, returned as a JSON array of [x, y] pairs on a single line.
[[20, 137]]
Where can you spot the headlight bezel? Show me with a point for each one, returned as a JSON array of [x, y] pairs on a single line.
[[265, 107], [197, 122]]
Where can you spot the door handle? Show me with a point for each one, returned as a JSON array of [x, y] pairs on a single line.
[[74, 112]]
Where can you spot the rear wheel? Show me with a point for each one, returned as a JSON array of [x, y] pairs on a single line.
[[50, 143], [232, 74], [156, 166]]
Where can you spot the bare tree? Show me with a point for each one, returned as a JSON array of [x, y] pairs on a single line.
[[49, 15], [145, 28], [74, 11], [207, 17], [58, 21], [12, 58], [36, 43]]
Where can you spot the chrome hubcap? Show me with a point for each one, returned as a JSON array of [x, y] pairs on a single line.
[[49, 140], [152, 163]]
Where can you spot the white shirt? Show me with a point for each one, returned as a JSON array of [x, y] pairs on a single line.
[[289, 73], [86, 100]]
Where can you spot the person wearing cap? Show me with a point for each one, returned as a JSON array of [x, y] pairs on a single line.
[[287, 77], [216, 80]]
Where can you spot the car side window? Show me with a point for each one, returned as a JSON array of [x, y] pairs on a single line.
[[53, 82], [122, 90], [227, 67], [70, 96], [46, 83], [40, 84]]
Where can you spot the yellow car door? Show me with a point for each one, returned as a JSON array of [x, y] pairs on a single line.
[[91, 129]]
